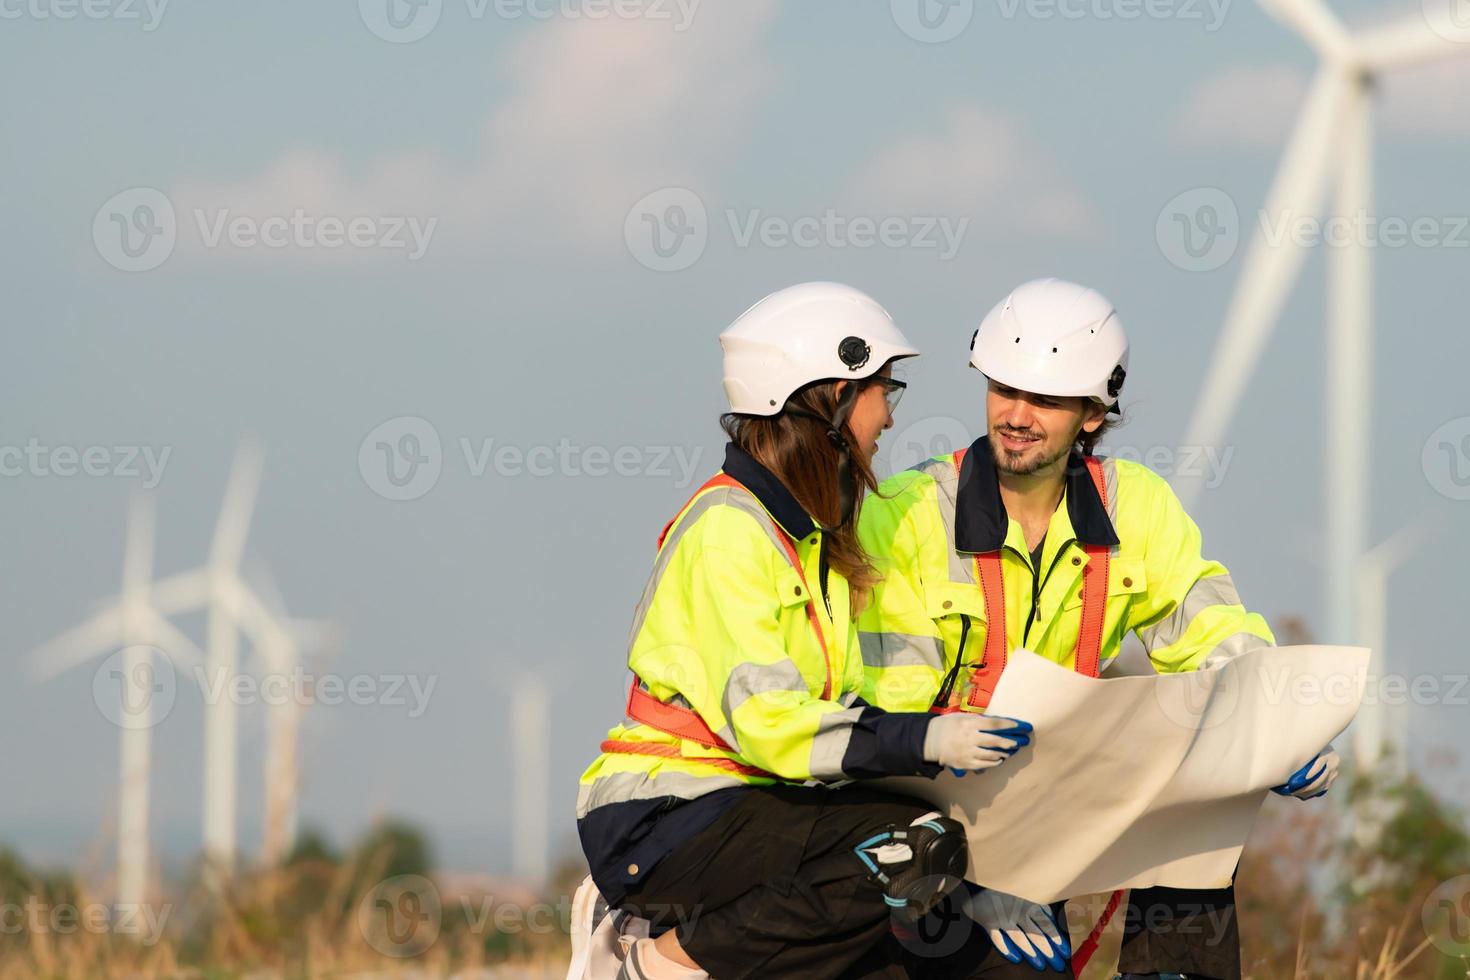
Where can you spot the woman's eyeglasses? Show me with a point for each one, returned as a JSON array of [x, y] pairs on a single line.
[[892, 391]]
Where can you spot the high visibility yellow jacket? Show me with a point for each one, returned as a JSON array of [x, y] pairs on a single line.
[[724, 630], [926, 524]]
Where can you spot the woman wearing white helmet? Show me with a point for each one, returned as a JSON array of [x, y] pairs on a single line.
[[709, 813]]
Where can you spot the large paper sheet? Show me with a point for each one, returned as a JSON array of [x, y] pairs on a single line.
[[1138, 781]]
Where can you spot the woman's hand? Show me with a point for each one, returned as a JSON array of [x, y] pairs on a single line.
[[968, 741]]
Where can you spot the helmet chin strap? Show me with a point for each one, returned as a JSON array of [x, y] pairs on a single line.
[[847, 492]]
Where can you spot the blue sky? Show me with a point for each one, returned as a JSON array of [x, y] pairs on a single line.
[[531, 153]]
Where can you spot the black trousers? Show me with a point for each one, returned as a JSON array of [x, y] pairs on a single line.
[[774, 888], [1177, 930]]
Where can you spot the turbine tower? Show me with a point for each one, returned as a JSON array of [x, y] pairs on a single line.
[[530, 721], [1332, 144], [231, 607], [1377, 725], [131, 625], [221, 731], [282, 649]]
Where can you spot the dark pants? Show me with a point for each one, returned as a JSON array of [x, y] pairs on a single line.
[[774, 888], [1177, 930]]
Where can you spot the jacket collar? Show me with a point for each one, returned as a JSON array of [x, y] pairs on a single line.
[[981, 521], [769, 490]]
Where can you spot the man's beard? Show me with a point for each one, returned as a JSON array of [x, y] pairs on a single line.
[[1017, 465]]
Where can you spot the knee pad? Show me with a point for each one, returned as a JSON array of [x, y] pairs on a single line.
[[917, 865]]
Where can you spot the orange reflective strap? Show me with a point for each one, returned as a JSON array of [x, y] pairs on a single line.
[[993, 661], [672, 752], [686, 723], [990, 578]]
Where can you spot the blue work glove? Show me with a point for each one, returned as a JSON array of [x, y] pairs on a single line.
[[1020, 930], [1313, 779], [969, 741]]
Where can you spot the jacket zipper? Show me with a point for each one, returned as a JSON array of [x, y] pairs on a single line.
[[1037, 583]]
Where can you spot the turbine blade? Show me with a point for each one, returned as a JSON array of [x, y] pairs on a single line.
[[234, 516], [138, 553], [1418, 38], [184, 592], [1270, 267], [1400, 546], [1348, 376], [251, 615], [1316, 22], [167, 637], [270, 589], [99, 634]]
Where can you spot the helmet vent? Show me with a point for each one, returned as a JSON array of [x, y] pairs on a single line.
[[854, 352]]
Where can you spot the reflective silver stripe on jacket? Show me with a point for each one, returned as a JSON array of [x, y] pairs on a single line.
[[619, 787], [731, 496], [1214, 590], [884, 650], [946, 477]]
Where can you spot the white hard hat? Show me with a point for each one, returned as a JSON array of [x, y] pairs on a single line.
[[1053, 337], [811, 332]]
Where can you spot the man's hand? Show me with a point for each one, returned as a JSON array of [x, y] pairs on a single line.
[[1019, 929], [1313, 779], [966, 740]]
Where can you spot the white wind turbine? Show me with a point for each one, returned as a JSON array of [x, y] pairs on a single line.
[[131, 624], [530, 731], [1332, 141], [1377, 724], [282, 648], [231, 606]]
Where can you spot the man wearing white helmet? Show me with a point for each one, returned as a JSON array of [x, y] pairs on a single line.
[[1024, 539], [714, 834]]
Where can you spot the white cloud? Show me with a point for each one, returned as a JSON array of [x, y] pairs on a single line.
[[981, 164], [1255, 106], [600, 112]]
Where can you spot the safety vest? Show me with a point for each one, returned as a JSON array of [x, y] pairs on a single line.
[[986, 674], [915, 634], [682, 722]]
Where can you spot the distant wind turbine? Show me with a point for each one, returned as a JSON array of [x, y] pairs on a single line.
[[1332, 141], [282, 649], [129, 623], [530, 753], [231, 606]]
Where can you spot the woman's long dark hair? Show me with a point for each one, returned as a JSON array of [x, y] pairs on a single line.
[[797, 450]]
